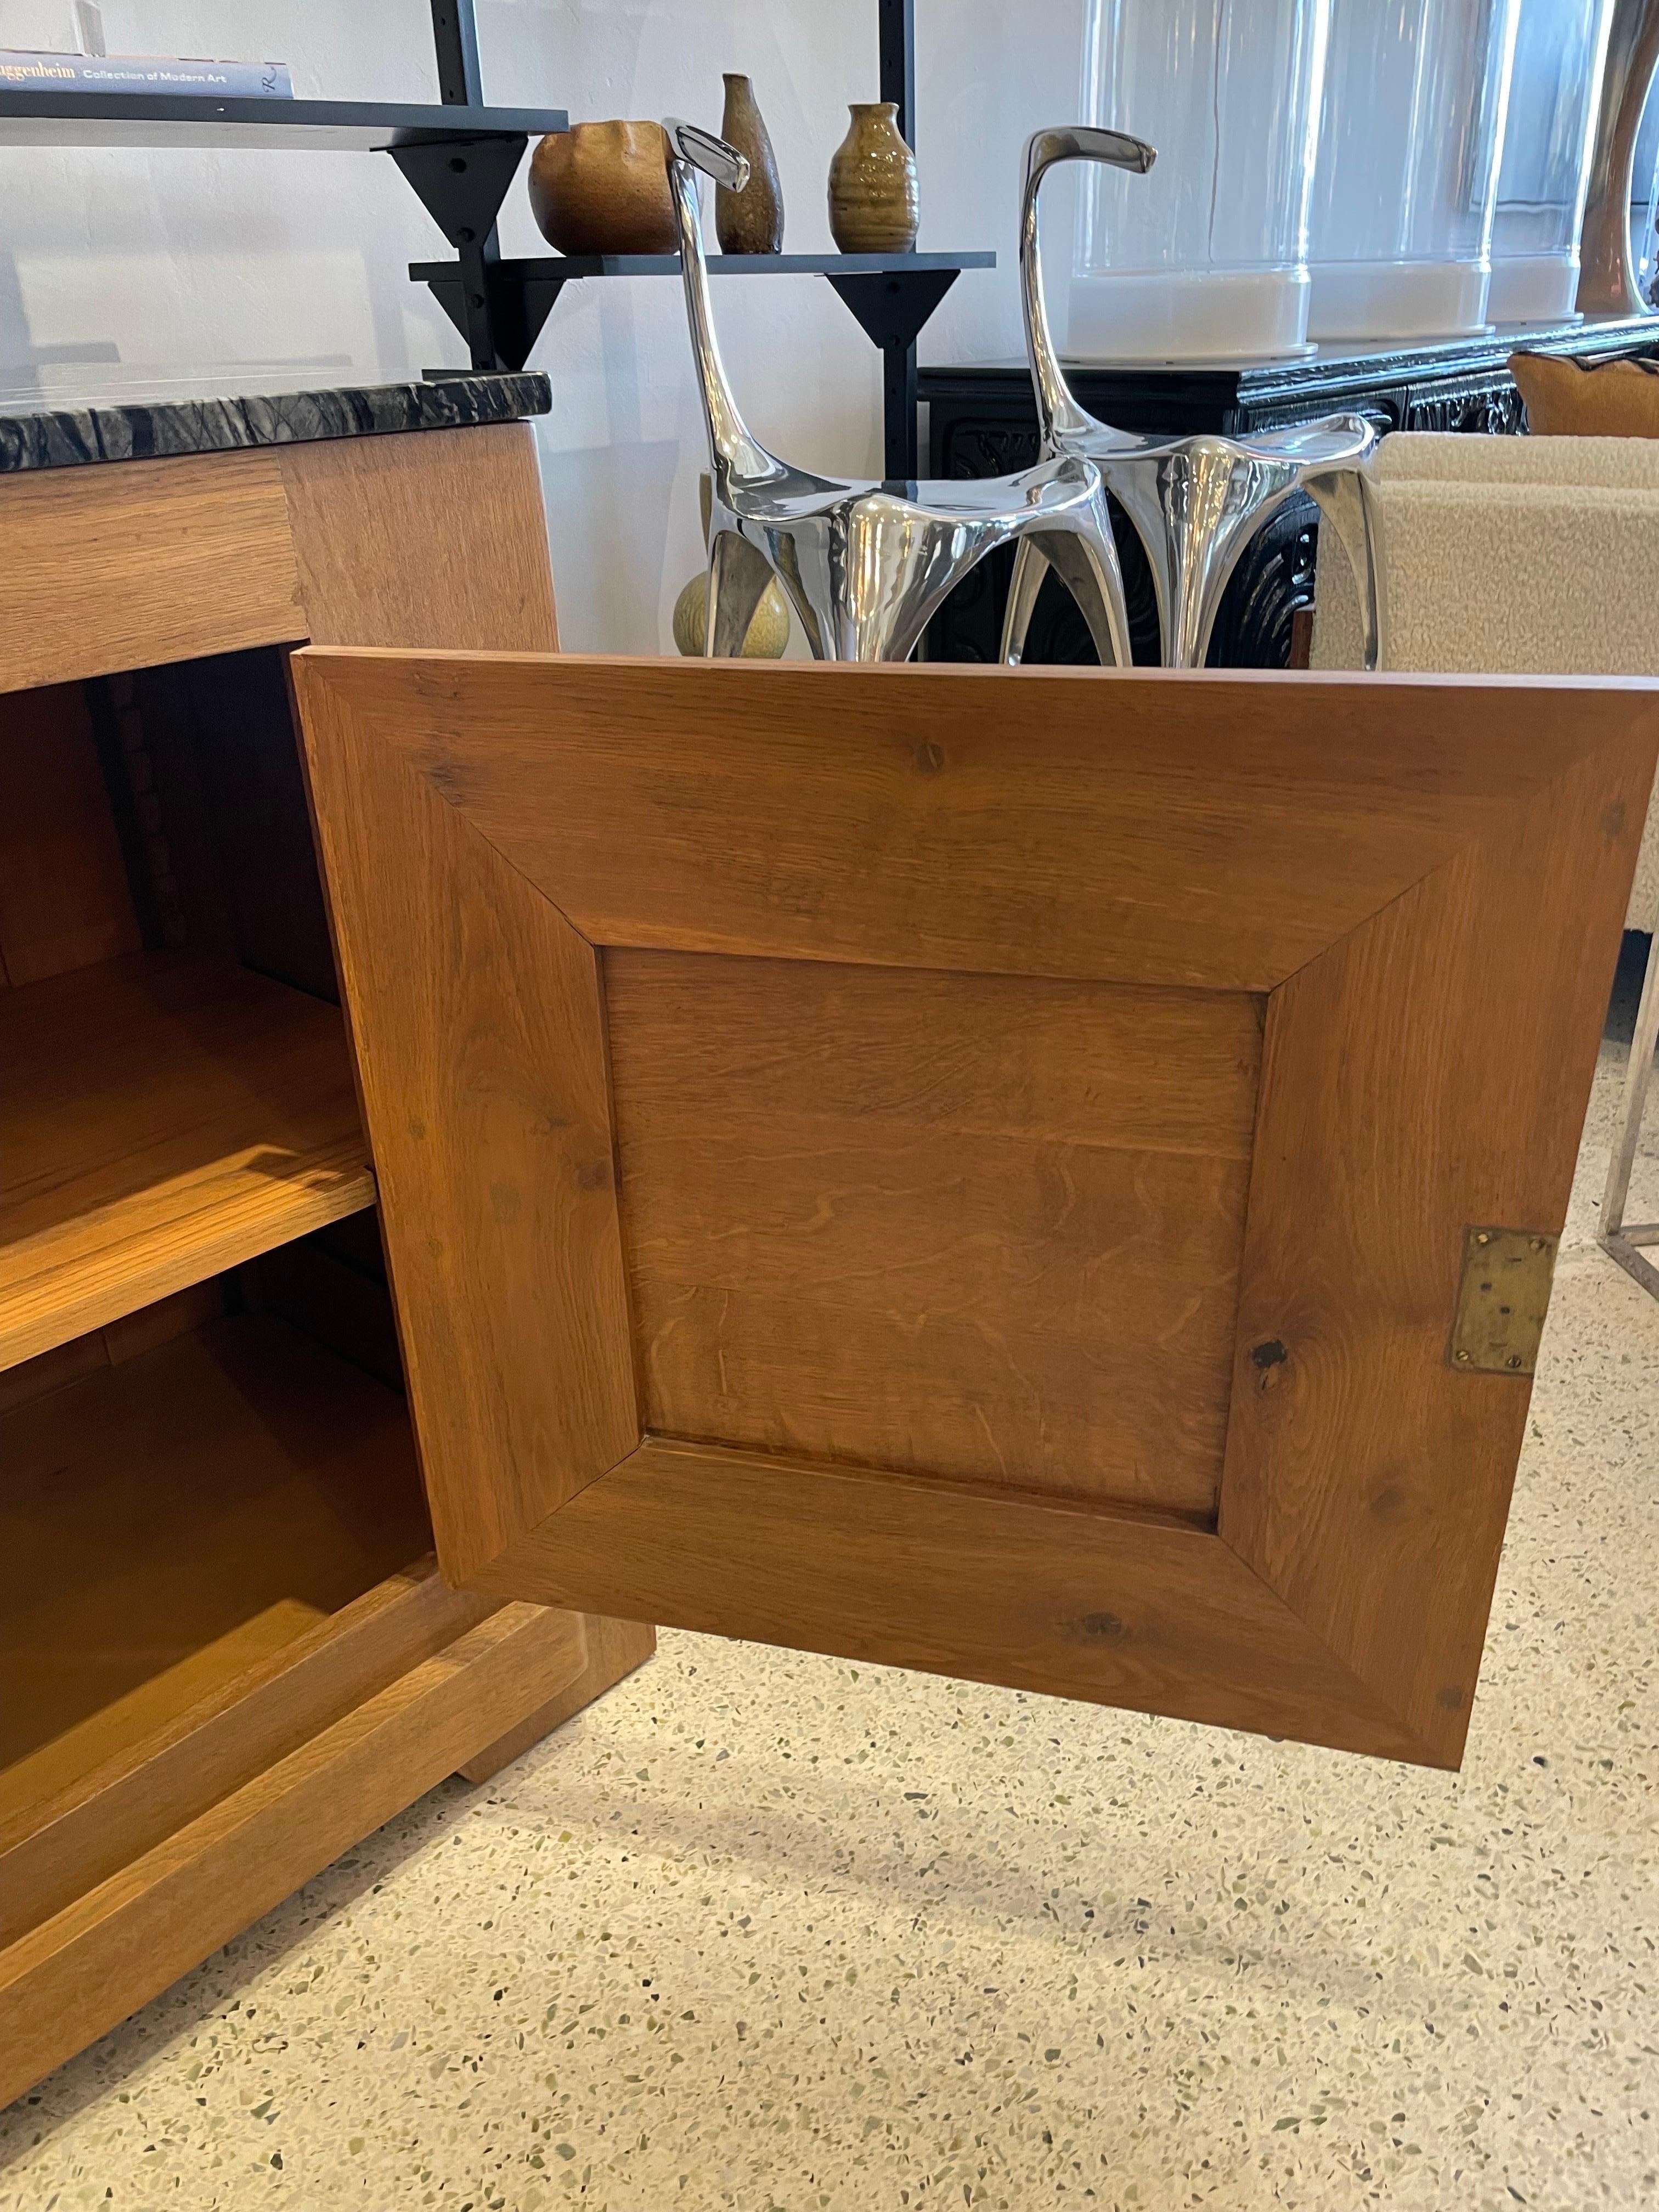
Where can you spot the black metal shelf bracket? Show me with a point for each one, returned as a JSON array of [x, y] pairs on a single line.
[[892, 311], [461, 186], [498, 310]]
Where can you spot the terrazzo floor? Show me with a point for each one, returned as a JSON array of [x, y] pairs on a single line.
[[774, 1933]]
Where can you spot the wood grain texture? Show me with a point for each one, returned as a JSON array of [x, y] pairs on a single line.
[[615, 1648], [1431, 1072], [1125, 1609], [116, 1728], [162, 1118], [971, 1226], [110, 568], [63, 896], [77, 1975], [479, 1043], [438, 538], [1213, 832], [55, 1845]]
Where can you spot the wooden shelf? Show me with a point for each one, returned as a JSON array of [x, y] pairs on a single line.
[[167, 1523], [162, 1117], [215, 1589]]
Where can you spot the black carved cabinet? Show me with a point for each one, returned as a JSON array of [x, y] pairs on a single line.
[[981, 423]]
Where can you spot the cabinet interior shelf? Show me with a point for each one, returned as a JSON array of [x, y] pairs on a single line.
[[163, 1116], [176, 1522]]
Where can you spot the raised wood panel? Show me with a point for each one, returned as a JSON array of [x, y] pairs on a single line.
[[65, 902], [1424, 876], [1429, 1074], [76, 1976], [1170, 829], [970, 1227], [434, 539], [475, 1012], [110, 568], [162, 1117]]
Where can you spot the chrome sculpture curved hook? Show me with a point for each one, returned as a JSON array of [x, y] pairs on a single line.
[[731, 443], [1058, 410]]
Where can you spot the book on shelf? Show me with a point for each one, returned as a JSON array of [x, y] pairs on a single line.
[[170, 74]]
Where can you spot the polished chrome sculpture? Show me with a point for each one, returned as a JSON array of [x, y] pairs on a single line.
[[866, 565], [1196, 502], [1606, 262]]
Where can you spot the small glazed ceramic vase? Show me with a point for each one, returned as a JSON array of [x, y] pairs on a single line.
[[752, 221], [873, 203], [602, 188], [768, 633]]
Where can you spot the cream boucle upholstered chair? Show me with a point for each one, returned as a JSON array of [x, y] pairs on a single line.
[[1524, 557], [1533, 556]]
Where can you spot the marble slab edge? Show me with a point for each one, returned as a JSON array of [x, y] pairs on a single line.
[[59, 438]]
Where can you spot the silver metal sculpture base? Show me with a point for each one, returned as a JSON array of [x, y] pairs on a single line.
[[865, 565], [1619, 1241]]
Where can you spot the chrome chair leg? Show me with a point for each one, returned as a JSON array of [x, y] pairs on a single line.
[[1029, 570], [1618, 1240], [738, 578], [1098, 593], [1196, 510], [1099, 596], [1344, 503]]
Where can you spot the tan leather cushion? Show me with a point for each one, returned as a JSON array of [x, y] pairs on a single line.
[[1619, 399]]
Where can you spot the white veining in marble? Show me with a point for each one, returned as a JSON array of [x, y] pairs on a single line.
[[774, 1932]]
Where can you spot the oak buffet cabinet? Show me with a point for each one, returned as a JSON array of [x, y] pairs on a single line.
[[226, 1653]]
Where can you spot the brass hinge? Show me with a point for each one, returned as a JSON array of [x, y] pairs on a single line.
[[1502, 1300]]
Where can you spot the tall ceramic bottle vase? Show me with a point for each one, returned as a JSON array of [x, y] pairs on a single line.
[[1607, 282], [752, 221]]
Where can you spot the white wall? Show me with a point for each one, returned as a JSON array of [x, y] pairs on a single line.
[[141, 272]]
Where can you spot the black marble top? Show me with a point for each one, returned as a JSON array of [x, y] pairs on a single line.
[[133, 430], [1327, 371]]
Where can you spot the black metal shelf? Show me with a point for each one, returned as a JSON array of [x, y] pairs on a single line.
[[162, 120], [890, 295], [565, 268]]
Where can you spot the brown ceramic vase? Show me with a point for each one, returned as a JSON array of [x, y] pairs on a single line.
[[752, 221], [873, 203], [602, 188]]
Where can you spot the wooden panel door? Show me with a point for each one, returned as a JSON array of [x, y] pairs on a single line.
[[982, 1171]]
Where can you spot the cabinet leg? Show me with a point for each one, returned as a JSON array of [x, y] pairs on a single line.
[[615, 1648]]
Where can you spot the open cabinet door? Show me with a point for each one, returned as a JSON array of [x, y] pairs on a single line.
[[1049, 1177]]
